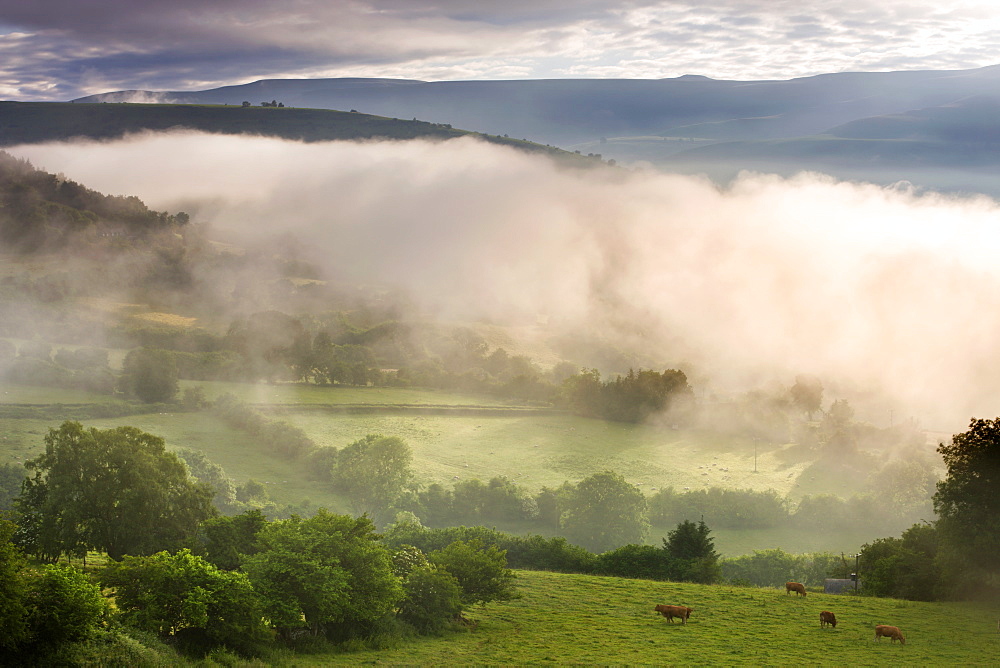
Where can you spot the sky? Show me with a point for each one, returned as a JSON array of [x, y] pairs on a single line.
[[64, 49]]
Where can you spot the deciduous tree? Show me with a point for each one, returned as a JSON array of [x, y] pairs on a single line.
[[481, 572], [149, 375], [604, 511], [967, 502], [116, 490], [327, 572], [183, 595], [372, 473]]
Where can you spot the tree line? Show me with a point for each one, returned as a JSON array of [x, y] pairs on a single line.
[[202, 580], [180, 570]]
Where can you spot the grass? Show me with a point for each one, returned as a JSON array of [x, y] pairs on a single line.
[[45, 396], [535, 451], [303, 393], [572, 619], [547, 450], [532, 450]]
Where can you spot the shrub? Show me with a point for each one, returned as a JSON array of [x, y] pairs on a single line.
[[433, 597]]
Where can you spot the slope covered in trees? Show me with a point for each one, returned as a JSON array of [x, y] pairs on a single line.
[[42, 211], [32, 122]]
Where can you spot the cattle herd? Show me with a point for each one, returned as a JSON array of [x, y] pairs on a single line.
[[825, 617]]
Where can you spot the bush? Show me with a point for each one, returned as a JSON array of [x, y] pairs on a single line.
[[63, 606], [636, 561], [481, 571], [433, 597], [183, 596]]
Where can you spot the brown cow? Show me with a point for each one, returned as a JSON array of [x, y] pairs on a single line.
[[671, 611], [797, 587], [889, 632], [827, 618]]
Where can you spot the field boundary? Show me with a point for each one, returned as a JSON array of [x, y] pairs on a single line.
[[411, 409]]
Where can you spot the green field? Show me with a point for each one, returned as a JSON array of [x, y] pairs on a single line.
[[534, 450], [547, 450], [302, 393], [573, 619]]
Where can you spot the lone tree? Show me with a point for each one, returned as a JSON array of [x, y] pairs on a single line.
[[807, 394], [966, 501], [116, 490], [373, 472], [692, 552], [149, 375], [604, 512]]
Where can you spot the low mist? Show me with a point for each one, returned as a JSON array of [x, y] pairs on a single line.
[[880, 292]]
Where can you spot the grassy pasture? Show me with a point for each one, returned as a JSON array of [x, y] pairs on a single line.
[[547, 450], [533, 450], [37, 395], [302, 393], [573, 619]]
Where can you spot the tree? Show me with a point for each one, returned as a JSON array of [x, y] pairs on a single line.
[[967, 502], [327, 572], [372, 473], [693, 553], [150, 375], [117, 490], [226, 541], [605, 511], [903, 567], [13, 613], [63, 606], [807, 394], [432, 598], [11, 477], [481, 572], [183, 595], [202, 469]]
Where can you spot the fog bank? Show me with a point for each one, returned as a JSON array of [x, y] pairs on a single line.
[[869, 288]]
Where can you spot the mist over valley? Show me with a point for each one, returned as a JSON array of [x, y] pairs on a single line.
[[499, 333]]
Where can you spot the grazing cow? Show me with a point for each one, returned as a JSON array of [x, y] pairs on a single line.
[[797, 587], [671, 611], [827, 618], [889, 632]]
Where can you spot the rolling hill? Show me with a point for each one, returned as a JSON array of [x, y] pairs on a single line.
[[570, 111], [33, 122], [937, 129]]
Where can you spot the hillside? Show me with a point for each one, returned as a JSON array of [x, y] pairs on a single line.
[[33, 122], [572, 619]]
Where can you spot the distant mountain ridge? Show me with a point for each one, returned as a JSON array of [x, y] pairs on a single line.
[[934, 128], [572, 111]]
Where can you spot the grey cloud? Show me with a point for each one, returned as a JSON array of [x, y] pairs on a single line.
[[74, 48]]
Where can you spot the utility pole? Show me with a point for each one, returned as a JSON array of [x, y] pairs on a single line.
[[856, 575]]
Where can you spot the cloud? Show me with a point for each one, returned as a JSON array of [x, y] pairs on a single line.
[[62, 49], [875, 290]]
